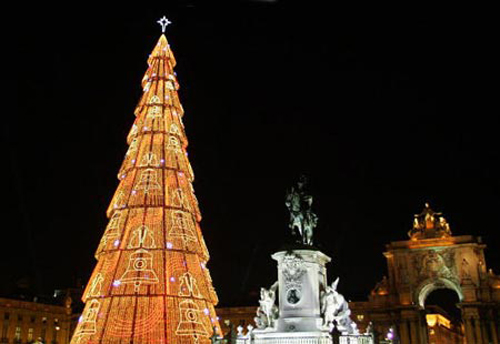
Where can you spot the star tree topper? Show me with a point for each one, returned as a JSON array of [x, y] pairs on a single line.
[[164, 22]]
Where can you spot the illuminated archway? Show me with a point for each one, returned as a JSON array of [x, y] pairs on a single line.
[[430, 260], [429, 286]]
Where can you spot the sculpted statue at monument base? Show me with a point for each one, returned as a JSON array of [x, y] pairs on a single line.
[[308, 309]]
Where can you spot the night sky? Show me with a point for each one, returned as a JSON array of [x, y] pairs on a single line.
[[383, 113]]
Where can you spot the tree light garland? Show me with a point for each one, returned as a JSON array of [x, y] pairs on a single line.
[[150, 283]]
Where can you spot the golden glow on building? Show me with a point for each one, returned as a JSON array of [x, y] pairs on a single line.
[[24, 322], [437, 319]]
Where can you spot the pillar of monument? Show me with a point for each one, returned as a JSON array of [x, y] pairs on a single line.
[[477, 331], [484, 330], [496, 322], [469, 333], [301, 273], [403, 332], [414, 331], [493, 330], [424, 331], [473, 323], [301, 278], [411, 318]]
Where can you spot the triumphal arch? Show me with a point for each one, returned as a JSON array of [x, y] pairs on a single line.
[[433, 259]]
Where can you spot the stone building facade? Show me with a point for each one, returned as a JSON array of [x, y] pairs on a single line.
[[237, 316], [31, 322]]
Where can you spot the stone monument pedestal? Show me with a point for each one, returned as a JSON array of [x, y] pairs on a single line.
[[301, 278], [292, 338]]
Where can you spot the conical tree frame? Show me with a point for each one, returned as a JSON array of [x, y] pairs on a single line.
[[151, 283]]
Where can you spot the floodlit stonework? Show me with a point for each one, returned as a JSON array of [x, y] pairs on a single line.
[[434, 259], [28, 322]]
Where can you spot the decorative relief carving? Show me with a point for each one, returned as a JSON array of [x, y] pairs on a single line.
[[402, 274], [465, 269], [435, 264], [293, 270]]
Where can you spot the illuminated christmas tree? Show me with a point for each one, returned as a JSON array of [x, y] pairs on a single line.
[[151, 283]]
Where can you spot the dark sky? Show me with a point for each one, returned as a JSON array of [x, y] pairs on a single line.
[[383, 111]]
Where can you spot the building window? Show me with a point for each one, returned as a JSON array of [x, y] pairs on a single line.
[[55, 330], [30, 334], [19, 317], [17, 335], [6, 316], [44, 320], [32, 319]]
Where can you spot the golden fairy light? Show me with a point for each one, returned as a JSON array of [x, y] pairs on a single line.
[[151, 283]]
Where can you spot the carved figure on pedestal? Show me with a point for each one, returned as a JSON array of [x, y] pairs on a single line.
[[444, 225], [267, 312], [335, 310], [382, 287], [329, 306], [302, 219], [369, 329]]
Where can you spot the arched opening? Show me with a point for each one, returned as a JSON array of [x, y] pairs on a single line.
[[444, 320], [431, 285]]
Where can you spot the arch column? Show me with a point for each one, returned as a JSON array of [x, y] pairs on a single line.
[[404, 337], [469, 333], [488, 326], [493, 330], [424, 329], [477, 331], [471, 317], [411, 327], [414, 331]]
